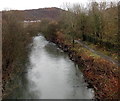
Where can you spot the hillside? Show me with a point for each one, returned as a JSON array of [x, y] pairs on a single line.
[[46, 13]]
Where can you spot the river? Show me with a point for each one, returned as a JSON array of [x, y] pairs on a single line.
[[50, 74]]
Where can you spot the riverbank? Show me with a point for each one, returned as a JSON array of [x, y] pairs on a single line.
[[15, 39], [100, 74], [11, 74]]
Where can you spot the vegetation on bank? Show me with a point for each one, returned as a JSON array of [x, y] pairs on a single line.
[[14, 49], [97, 24]]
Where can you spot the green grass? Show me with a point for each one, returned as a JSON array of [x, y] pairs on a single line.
[[97, 48]]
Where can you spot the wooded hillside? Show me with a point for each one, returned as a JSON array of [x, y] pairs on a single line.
[[46, 13]]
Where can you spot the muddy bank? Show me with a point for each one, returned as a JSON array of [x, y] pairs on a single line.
[[100, 74]]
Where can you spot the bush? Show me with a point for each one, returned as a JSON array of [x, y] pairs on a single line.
[[49, 29], [14, 42]]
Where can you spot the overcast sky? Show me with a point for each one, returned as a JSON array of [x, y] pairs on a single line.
[[33, 4]]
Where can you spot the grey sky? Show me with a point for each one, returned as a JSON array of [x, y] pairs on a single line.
[[33, 4]]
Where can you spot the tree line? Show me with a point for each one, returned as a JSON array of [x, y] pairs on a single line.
[[97, 23], [14, 48]]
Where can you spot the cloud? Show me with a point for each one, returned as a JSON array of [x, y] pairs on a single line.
[[33, 4]]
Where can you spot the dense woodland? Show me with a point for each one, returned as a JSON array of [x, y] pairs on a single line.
[[97, 24]]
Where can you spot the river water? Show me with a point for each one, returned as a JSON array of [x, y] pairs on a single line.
[[51, 74]]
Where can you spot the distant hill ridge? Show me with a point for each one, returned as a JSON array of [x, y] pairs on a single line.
[[52, 13]]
